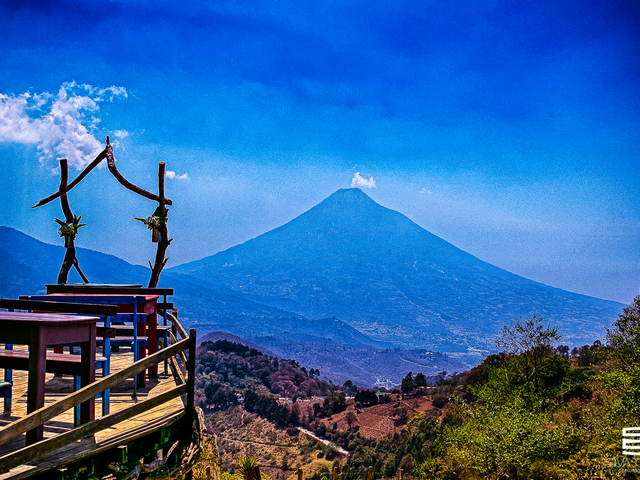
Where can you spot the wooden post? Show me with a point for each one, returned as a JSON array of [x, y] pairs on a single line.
[[70, 254], [299, 474], [191, 372], [256, 473], [335, 473], [370, 473], [124, 453], [400, 474], [430, 474], [164, 242]]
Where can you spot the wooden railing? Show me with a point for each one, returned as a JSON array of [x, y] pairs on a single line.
[[184, 386]]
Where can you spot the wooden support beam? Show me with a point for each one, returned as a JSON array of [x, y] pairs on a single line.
[[181, 354], [191, 373], [174, 321], [164, 242], [177, 372]]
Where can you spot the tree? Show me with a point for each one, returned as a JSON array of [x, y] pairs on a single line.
[[625, 334], [401, 412], [526, 334], [407, 383], [349, 388], [407, 463], [420, 380], [351, 418], [621, 376]]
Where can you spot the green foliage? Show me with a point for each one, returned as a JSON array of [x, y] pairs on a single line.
[[246, 465], [531, 412], [236, 476], [208, 459], [155, 221], [350, 417], [620, 380], [366, 397], [621, 387], [429, 465], [535, 377], [70, 229], [507, 439], [418, 442], [625, 334], [229, 476]]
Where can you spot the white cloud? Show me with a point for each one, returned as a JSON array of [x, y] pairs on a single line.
[[359, 181], [121, 134], [424, 190], [171, 175], [58, 124]]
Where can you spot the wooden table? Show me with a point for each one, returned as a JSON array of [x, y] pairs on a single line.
[[89, 287], [124, 302], [38, 330]]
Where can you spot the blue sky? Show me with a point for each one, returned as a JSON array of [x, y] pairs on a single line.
[[510, 129]]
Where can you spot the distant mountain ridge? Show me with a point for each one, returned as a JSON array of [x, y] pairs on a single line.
[[28, 264], [392, 280]]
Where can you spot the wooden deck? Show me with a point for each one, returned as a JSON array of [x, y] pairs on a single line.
[[121, 398]]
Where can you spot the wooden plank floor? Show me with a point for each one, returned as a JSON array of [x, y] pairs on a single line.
[[121, 397]]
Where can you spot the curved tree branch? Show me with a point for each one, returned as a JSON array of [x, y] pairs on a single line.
[[70, 255], [84, 173], [111, 164]]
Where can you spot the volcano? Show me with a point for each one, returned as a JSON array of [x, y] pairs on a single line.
[[372, 267]]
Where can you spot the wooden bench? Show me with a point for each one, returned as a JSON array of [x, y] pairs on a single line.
[[57, 363]]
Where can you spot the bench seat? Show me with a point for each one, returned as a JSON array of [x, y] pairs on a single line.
[[57, 363]]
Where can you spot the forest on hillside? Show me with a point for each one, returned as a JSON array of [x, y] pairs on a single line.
[[537, 410]]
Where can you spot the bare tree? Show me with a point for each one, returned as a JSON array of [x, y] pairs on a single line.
[[527, 333]]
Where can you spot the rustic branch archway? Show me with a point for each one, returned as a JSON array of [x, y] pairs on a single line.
[[72, 222]]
